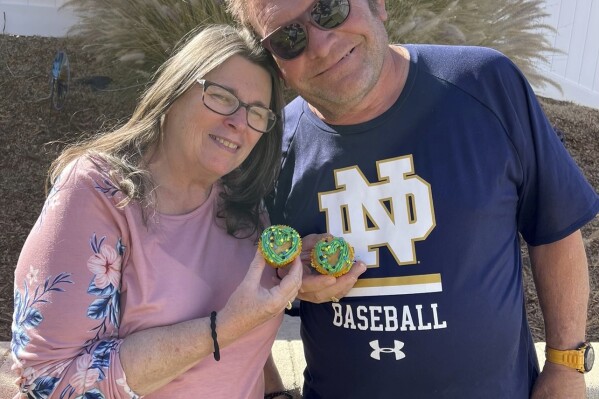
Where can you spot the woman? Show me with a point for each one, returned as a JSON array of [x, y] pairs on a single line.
[[135, 280]]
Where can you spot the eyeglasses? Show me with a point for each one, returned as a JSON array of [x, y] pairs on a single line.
[[220, 100], [289, 41]]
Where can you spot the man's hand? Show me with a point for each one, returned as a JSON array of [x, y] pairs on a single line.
[[320, 288], [557, 381]]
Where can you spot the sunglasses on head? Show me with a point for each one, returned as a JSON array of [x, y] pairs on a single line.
[[289, 41]]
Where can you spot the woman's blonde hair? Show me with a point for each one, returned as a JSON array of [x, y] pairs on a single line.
[[124, 148]]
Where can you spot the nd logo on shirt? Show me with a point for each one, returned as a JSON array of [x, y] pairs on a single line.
[[394, 212]]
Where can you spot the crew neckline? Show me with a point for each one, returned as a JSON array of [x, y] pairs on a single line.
[[193, 213]]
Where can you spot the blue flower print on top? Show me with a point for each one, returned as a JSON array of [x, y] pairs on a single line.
[[107, 187], [89, 369], [93, 361], [41, 387], [105, 264], [92, 394], [52, 200], [25, 317]]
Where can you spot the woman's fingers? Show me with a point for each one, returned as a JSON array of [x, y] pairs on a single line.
[[254, 273], [292, 281]]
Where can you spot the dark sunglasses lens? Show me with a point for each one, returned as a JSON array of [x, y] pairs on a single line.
[[329, 14], [289, 41]]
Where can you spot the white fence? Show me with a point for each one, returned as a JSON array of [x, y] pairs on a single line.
[[576, 22], [577, 69], [35, 17]]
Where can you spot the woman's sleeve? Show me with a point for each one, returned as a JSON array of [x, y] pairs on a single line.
[[67, 292]]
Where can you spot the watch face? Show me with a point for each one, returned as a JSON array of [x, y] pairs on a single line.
[[589, 358]]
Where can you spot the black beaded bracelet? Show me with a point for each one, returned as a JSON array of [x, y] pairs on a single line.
[[273, 395], [213, 330]]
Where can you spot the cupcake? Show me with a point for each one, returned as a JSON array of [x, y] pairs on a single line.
[[332, 255], [279, 245]]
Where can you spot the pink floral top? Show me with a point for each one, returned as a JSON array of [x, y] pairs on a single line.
[[91, 273]]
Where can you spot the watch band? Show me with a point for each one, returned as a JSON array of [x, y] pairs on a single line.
[[574, 358]]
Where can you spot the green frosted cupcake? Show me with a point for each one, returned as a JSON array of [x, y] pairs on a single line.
[[332, 255], [279, 245]]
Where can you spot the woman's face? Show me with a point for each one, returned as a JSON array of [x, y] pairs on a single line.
[[204, 144]]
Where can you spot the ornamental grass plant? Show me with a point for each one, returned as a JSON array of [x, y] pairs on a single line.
[[513, 27], [141, 34]]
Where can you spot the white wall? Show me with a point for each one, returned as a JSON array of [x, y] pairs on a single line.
[[577, 70], [35, 17]]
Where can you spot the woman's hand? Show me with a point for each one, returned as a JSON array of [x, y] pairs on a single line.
[[251, 304], [178, 347]]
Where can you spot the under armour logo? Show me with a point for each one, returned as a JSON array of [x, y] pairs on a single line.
[[376, 353], [394, 212]]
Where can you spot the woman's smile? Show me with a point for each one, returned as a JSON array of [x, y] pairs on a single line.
[[222, 142]]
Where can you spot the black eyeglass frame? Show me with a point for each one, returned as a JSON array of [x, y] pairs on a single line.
[[300, 22], [206, 83]]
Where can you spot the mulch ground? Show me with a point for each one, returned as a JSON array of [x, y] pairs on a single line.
[[32, 133]]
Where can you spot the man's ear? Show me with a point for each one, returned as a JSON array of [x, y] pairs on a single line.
[[281, 74], [381, 10]]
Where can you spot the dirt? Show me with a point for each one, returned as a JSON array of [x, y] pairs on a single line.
[[32, 132]]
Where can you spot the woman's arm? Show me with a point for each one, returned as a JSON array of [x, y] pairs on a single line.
[[67, 300], [179, 347], [67, 291]]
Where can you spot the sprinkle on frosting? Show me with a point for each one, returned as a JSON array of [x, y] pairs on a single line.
[[280, 245], [333, 255]]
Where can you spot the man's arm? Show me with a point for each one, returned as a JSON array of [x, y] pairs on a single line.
[[561, 276], [272, 378]]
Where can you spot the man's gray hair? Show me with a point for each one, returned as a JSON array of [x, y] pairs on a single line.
[[240, 11]]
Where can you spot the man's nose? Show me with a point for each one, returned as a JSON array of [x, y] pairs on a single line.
[[320, 41]]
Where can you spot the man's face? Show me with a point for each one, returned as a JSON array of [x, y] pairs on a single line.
[[339, 66]]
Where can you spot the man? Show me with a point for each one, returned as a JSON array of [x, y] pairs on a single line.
[[431, 161]]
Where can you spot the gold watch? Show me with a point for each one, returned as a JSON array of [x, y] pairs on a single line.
[[580, 359]]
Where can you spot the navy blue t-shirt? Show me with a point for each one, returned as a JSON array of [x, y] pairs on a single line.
[[432, 194]]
